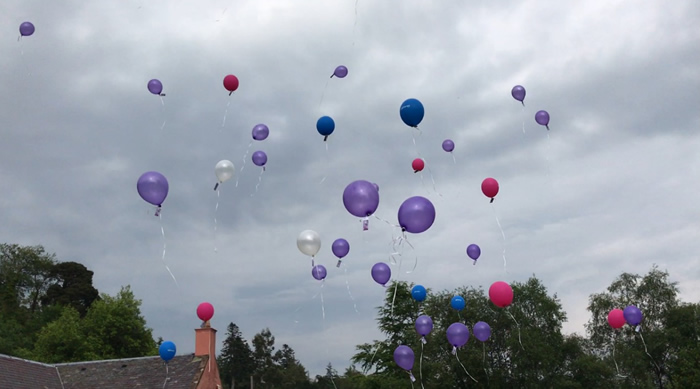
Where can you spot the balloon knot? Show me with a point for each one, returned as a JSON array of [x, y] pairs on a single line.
[[162, 94], [492, 198], [415, 171], [332, 75], [325, 138], [230, 93], [216, 186], [338, 265]]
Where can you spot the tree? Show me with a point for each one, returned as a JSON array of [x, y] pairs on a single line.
[[73, 287], [64, 340], [236, 359], [292, 374], [263, 348]]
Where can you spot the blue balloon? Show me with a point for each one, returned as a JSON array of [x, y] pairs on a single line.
[[167, 350], [325, 126], [419, 293], [412, 112], [458, 303]]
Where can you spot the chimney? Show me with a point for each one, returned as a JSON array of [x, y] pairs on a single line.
[[205, 344]]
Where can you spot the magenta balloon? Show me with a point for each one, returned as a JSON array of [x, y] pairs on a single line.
[[319, 272], [457, 334], [259, 158], [542, 118], [361, 198], [153, 187], [260, 132], [424, 325], [416, 214], [518, 93], [448, 145], [482, 331], [341, 71], [340, 248], [381, 273], [404, 357]]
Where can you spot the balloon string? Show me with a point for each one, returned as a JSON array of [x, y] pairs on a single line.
[[503, 234], [323, 94], [420, 364], [162, 103], [483, 362], [167, 375], [223, 122], [328, 162], [518, 326], [244, 159], [647, 351], [354, 25], [396, 288], [347, 285], [259, 181], [216, 210], [432, 178], [465, 369], [300, 306], [549, 163], [413, 136], [453, 158], [523, 115], [323, 315], [379, 345], [162, 232], [613, 356]]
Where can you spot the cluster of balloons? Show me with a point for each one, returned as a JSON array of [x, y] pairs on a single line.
[[541, 117], [167, 349], [631, 315]]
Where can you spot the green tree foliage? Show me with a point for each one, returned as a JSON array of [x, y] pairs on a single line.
[[73, 287], [64, 340], [236, 359]]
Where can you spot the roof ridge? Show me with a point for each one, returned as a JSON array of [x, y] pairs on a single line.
[[116, 360], [27, 360]]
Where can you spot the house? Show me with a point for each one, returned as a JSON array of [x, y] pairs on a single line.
[[192, 371]]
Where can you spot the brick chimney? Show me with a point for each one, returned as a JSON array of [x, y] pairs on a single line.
[[205, 344]]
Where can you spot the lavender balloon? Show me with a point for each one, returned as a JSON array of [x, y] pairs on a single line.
[[404, 357], [340, 72], [153, 187], [633, 316], [361, 198], [155, 87], [448, 145], [473, 251], [340, 248], [542, 118], [26, 29], [260, 132], [457, 334], [381, 273], [376, 186], [424, 325], [416, 214], [518, 93], [482, 331], [319, 272], [259, 158]]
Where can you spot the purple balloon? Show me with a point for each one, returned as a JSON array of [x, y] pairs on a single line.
[[259, 158], [155, 87], [473, 251], [260, 132], [153, 187], [340, 72], [404, 357], [26, 29], [482, 331], [416, 214], [448, 145], [361, 198], [376, 186], [340, 248], [457, 334], [518, 93], [319, 272], [424, 325], [381, 273], [542, 118], [633, 316]]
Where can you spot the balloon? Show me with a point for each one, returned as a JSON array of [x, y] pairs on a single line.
[[167, 350], [361, 198], [224, 170], [376, 186], [473, 251], [340, 248], [458, 303], [153, 187], [404, 357], [319, 272], [325, 126], [489, 187], [424, 325], [381, 273], [417, 165], [26, 29], [542, 118], [412, 112], [457, 334], [616, 318], [448, 145], [231, 83], [340, 72], [205, 311], [309, 242], [260, 132], [501, 294], [155, 87], [419, 293], [518, 93], [633, 315], [416, 214], [259, 158], [482, 331]]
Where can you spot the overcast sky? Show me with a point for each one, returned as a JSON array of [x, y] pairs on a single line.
[[613, 189]]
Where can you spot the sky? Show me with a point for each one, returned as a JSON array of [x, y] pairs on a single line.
[[610, 188]]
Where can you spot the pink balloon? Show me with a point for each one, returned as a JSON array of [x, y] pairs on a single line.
[[616, 318], [205, 311], [501, 294], [490, 188]]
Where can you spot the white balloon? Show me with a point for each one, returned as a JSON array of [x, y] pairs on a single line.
[[224, 170], [309, 242]]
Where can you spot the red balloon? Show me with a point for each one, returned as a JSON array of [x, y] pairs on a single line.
[[231, 83], [418, 165], [616, 318], [490, 188], [501, 294], [205, 311]]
